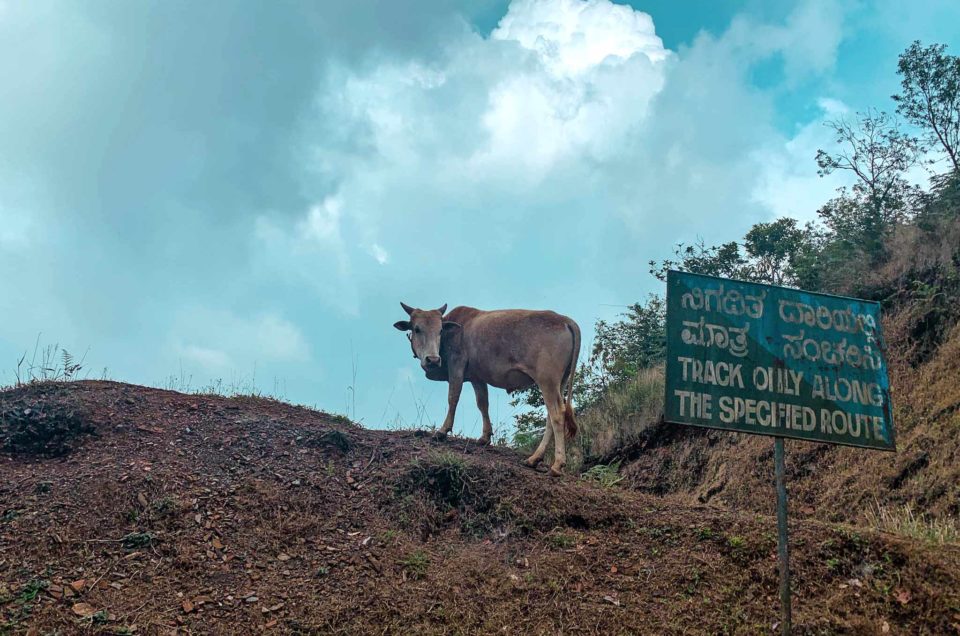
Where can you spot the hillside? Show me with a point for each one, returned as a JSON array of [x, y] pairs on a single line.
[[127, 510], [831, 483]]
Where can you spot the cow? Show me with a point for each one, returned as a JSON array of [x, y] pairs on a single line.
[[510, 349]]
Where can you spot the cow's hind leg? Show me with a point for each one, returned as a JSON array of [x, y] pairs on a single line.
[[483, 403], [555, 406], [538, 454]]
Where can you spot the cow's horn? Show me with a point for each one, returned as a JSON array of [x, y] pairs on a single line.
[[443, 309], [407, 308]]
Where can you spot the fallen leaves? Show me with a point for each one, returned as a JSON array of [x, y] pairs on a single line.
[[191, 605], [83, 610], [903, 596], [612, 600]]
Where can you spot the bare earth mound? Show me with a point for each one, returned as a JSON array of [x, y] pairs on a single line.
[[157, 512]]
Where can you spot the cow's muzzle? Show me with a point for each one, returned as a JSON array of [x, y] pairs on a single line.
[[431, 362]]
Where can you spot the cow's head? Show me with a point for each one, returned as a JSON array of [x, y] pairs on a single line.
[[425, 328]]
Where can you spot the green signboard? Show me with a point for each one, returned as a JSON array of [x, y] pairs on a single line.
[[776, 361]]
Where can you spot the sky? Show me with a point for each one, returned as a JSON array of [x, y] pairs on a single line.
[[245, 191]]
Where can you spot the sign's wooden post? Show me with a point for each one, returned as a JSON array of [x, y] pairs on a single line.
[[776, 361]]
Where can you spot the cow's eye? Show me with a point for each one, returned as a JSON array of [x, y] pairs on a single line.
[[416, 330]]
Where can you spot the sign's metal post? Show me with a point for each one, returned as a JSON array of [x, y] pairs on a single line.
[[782, 549]]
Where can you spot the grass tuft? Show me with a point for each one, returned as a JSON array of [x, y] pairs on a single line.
[[607, 475], [905, 522]]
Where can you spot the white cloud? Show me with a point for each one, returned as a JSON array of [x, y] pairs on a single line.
[[308, 251], [208, 359], [215, 339], [596, 66], [573, 37], [322, 223], [379, 254], [807, 41], [559, 86], [788, 184], [832, 107]]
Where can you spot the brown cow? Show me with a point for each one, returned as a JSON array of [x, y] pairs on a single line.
[[510, 349]]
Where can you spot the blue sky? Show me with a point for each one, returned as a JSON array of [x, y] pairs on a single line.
[[222, 187]]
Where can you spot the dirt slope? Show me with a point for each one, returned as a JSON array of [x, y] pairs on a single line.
[[156, 512], [827, 482]]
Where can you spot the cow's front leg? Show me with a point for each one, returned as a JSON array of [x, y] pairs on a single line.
[[453, 397], [483, 403]]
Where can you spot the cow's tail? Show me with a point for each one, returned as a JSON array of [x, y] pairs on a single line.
[[569, 423]]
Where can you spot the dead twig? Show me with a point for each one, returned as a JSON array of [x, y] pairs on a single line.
[[105, 572]]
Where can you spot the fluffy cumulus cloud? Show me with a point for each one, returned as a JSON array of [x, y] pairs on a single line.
[[557, 80]]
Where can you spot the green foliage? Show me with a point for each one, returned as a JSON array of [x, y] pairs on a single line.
[[622, 348], [415, 564], [607, 475], [930, 96], [878, 153], [736, 542], [443, 475], [724, 260], [780, 252], [775, 250], [560, 541], [137, 540], [622, 415]]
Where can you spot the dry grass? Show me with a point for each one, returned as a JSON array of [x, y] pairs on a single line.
[[905, 522], [623, 414]]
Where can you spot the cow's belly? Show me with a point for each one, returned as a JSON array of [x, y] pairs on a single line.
[[513, 381]]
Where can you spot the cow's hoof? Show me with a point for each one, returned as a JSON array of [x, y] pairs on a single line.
[[440, 436], [484, 441], [532, 464], [555, 473]]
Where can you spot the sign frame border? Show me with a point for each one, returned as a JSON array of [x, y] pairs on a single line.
[[883, 349]]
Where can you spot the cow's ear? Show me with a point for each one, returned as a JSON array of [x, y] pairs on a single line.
[[450, 327], [402, 325]]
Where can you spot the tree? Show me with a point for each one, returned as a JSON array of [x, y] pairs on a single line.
[[779, 252], [636, 341], [773, 249], [873, 148], [930, 96], [717, 260]]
